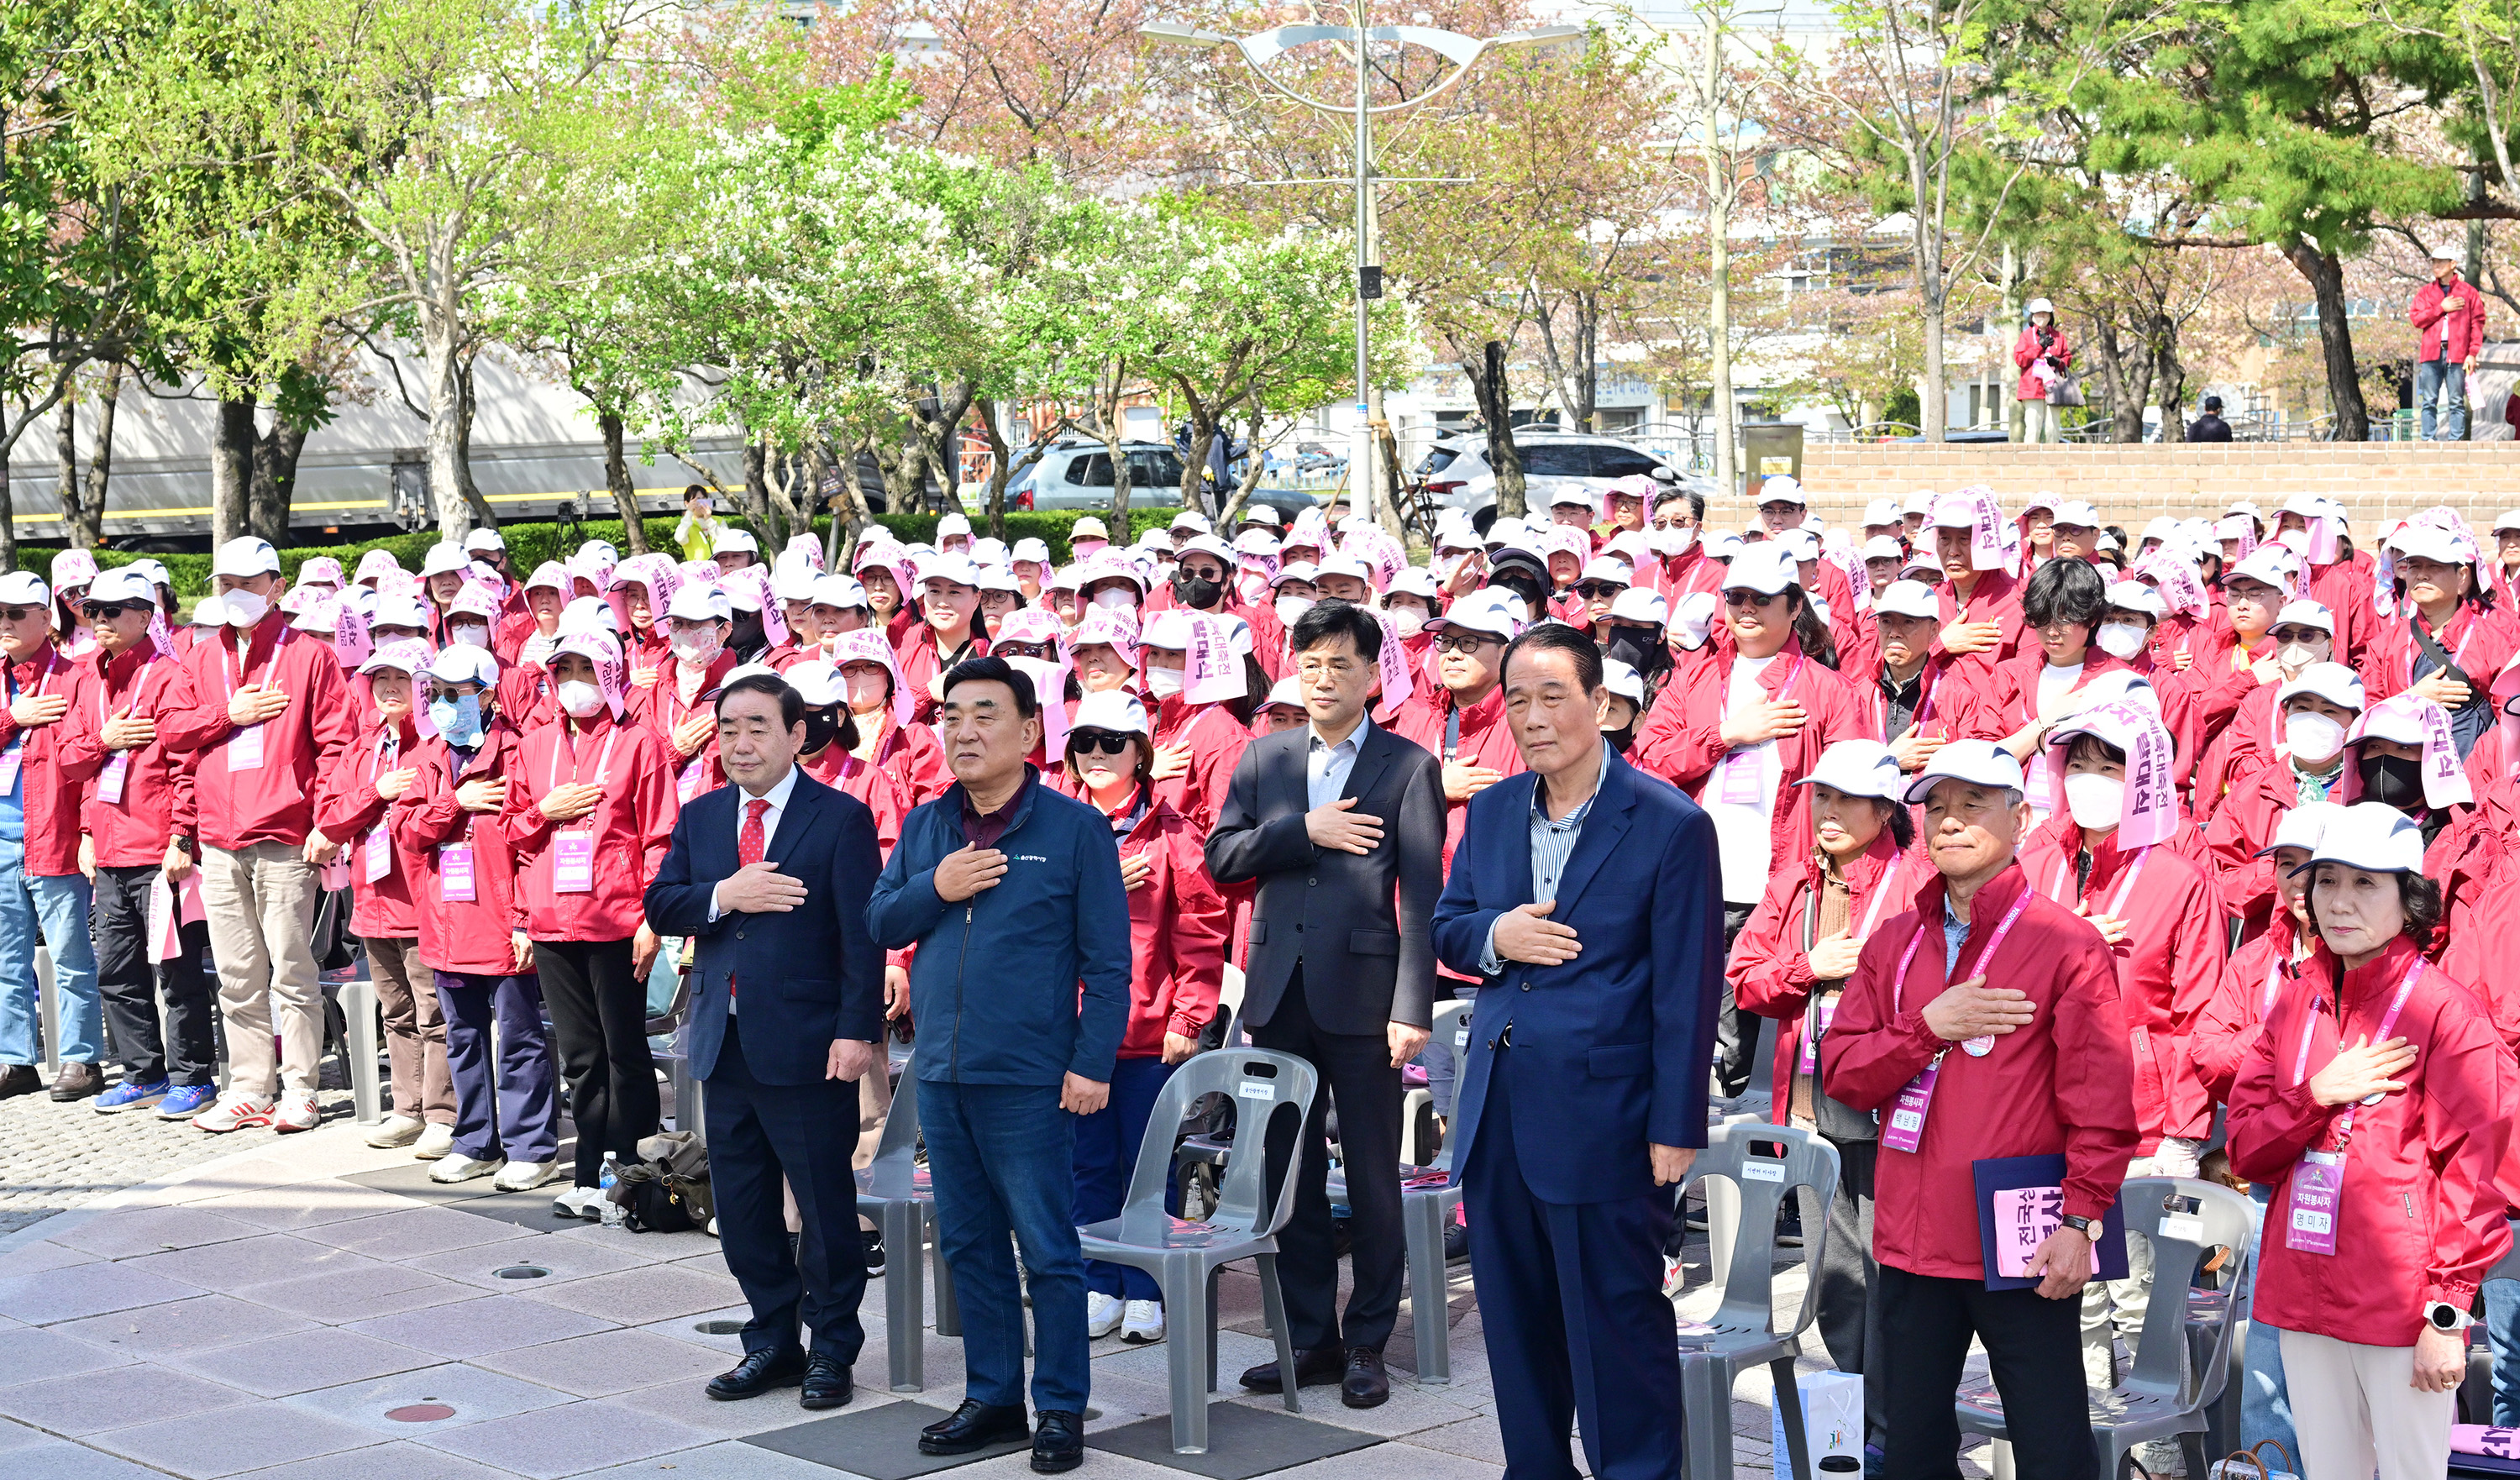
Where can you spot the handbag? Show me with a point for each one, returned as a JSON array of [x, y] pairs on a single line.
[[2249, 1464], [667, 1189], [2065, 390]]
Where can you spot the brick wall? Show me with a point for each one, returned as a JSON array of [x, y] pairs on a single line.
[[2374, 480]]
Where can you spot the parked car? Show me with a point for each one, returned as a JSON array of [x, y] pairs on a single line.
[[1077, 474], [1457, 475]]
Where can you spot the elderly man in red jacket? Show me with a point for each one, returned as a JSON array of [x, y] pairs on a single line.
[[2449, 317], [2044, 1067], [264, 711], [41, 884]]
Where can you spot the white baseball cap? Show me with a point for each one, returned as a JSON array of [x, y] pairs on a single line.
[[1765, 567], [1857, 768], [957, 568], [1035, 550], [1301, 570], [2078, 515], [1260, 514], [1491, 610], [1413, 580], [1623, 679], [463, 663], [123, 583], [403, 610], [1343, 564], [1782, 489], [1908, 598], [2307, 613], [1693, 617], [2509, 519], [1114, 709], [2162, 527], [444, 558], [1089, 527], [1919, 501], [484, 541], [2372, 836], [1802, 544], [2332, 682], [1882, 547], [248, 556], [735, 539], [2135, 596], [818, 682], [997, 578], [2303, 826], [1977, 762], [794, 581], [1192, 519], [1641, 603], [1602, 568], [2430, 542], [24, 588], [696, 603], [1882, 511], [841, 592], [1572, 496], [952, 524], [1207, 544], [405, 655], [2264, 565]]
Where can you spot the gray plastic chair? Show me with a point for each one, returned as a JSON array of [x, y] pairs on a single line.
[[1743, 1333], [1424, 1213], [894, 1190], [2166, 1395], [1184, 1256]]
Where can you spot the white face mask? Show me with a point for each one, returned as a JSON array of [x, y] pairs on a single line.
[[1668, 543], [2295, 540], [1163, 682], [698, 650], [470, 636], [2121, 639], [2095, 800], [580, 700], [243, 608], [1408, 621], [1290, 609], [2312, 738], [1115, 600], [2295, 656]]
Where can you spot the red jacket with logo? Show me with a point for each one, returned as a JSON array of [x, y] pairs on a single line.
[[1681, 740], [157, 802], [660, 708], [1770, 967], [53, 767], [1177, 924], [274, 803], [469, 936], [633, 825], [350, 810]]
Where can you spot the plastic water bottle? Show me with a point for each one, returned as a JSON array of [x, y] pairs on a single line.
[[609, 1210]]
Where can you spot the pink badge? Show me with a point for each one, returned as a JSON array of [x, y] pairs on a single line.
[[455, 873], [573, 863], [2310, 1209], [1741, 779], [379, 853], [109, 781], [10, 760], [1904, 1129], [245, 748]]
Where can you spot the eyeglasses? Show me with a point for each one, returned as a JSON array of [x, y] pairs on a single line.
[[109, 610], [1598, 591], [1020, 649], [1463, 641], [1099, 741], [2300, 635], [1751, 598]]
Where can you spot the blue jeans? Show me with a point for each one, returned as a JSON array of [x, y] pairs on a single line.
[[2502, 1329], [2266, 1407], [1106, 1154], [1003, 1159], [2432, 377], [58, 909]]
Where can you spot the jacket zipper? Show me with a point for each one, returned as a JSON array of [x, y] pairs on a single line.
[[960, 955]]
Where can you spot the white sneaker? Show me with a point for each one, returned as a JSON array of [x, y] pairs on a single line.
[[297, 1111], [1675, 1276], [233, 1112], [525, 1176], [1103, 1313], [1144, 1322], [397, 1131], [578, 1202], [434, 1142], [460, 1168]]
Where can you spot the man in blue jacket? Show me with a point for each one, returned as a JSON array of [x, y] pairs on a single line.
[[1584, 1099], [1013, 894]]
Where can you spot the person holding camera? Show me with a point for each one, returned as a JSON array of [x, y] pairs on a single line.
[[2044, 358]]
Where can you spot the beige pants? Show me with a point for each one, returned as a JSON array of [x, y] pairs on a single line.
[[415, 1033], [2356, 1411], [261, 905], [2113, 1310], [2039, 422]]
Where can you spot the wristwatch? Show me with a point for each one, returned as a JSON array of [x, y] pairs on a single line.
[[183, 846], [2087, 1226], [2442, 1316]]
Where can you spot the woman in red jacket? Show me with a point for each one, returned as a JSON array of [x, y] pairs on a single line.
[[1791, 962], [1195, 679], [830, 748], [2044, 357], [2060, 610], [472, 929], [2314, 713], [1177, 928], [2446, 640], [378, 771], [590, 811], [2381, 1156], [880, 703], [680, 705]]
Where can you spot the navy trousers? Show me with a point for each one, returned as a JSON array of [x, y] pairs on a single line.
[[506, 1108], [806, 1133], [1576, 1326], [1003, 1157], [1107, 1153]]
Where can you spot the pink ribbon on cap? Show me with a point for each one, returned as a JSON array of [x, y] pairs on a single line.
[[2150, 812], [756, 579], [1049, 694], [1986, 525], [350, 635], [1211, 673], [658, 575], [2174, 577], [1635, 486], [1393, 662], [611, 669], [2445, 780]]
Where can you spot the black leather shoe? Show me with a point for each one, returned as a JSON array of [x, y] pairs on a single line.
[[1058, 1442], [757, 1374], [1313, 1369], [827, 1384], [1366, 1384], [974, 1426], [18, 1079]]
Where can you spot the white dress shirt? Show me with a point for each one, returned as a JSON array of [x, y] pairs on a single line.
[[1327, 767], [777, 796]]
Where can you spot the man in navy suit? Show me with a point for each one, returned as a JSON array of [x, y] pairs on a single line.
[[770, 876], [1584, 1099]]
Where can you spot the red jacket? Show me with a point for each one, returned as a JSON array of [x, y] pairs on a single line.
[[1691, 570], [1486, 741], [2464, 331], [274, 803], [1771, 967], [157, 802], [473, 936], [53, 767], [1177, 921], [2027, 351], [2067, 1082], [2226, 1031], [1995, 598], [914, 757], [1681, 739], [2420, 1218], [528, 698], [2170, 964], [660, 708], [633, 825], [1216, 743], [2010, 701], [2242, 746], [349, 808], [2246, 823], [1945, 708], [920, 663], [870, 782], [2480, 640], [2344, 588]]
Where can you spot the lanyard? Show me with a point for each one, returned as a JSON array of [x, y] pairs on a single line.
[[1888, 886], [18, 739], [234, 668], [139, 682], [2388, 1020], [2125, 881], [603, 758], [1898, 984]]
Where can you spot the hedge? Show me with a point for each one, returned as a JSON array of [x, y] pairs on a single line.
[[530, 544]]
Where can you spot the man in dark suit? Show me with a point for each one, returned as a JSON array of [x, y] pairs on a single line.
[[1342, 824], [1584, 1099], [770, 876]]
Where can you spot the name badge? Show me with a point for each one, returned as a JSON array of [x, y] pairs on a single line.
[[573, 863], [688, 782], [455, 872], [245, 748], [109, 781], [1905, 1129], [380, 854], [2312, 1208], [10, 761], [1740, 786], [1257, 1088]]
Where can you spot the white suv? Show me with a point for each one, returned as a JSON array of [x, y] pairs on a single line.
[[1456, 473]]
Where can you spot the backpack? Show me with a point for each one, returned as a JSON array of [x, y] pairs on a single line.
[[667, 1189]]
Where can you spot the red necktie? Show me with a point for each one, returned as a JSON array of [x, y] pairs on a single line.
[[749, 844]]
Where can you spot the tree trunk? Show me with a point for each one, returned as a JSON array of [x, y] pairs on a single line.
[[1935, 402], [231, 471], [2327, 276], [617, 477], [449, 440], [786, 470], [2007, 382], [100, 459], [2129, 385], [1494, 396], [66, 482], [2170, 378], [275, 479], [1587, 373], [901, 456], [1116, 447], [1718, 338], [756, 484], [473, 502], [849, 518], [8, 516], [1202, 443]]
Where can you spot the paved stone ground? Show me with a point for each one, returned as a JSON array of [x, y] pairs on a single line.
[[262, 1314]]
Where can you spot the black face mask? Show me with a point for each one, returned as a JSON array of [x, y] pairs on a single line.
[[1197, 592], [748, 635], [2393, 781], [1620, 739], [1521, 584], [822, 727], [1635, 647]]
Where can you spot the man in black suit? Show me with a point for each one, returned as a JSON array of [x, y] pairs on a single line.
[[1342, 824], [770, 876]]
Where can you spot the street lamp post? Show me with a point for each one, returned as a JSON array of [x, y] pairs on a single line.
[[1259, 51]]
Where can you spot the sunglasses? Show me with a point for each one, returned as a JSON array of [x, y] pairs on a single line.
[[109, 610], [2298, 635], [1099, 741], [1596, 590], [1751, 598], [1463, 641], [21, 613], [1020, 649]]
